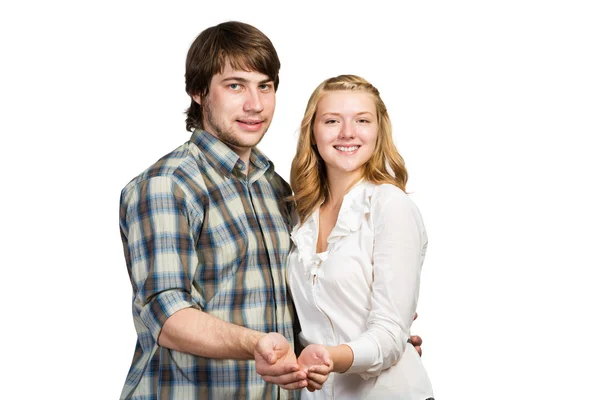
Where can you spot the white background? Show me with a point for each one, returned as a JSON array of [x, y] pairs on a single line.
[[495, 107]]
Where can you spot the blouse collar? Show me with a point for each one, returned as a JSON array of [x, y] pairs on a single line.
[[355, 205]]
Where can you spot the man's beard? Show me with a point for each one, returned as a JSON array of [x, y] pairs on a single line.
[[226, 136]]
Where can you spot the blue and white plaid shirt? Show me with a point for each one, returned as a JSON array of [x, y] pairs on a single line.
[[198, 232]]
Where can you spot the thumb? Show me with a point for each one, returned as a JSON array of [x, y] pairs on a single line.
[[266, 348], [324, 356], [269, 355]]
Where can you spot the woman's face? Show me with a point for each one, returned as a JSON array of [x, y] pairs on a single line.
[[345, 131]]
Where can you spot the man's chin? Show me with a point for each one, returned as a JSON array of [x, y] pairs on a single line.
[[244, 143], [250, 140]]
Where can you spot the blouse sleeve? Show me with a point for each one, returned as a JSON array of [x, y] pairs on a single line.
[[400, 243]]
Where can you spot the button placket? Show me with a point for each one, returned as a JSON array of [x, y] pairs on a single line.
[[315, 271]]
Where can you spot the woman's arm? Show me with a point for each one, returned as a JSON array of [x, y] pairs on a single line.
[[399, 248]]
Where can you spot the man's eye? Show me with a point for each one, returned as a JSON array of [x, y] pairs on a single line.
[[234, 86]]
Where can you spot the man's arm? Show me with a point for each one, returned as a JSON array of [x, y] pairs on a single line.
[[196, 332], [157, 226]]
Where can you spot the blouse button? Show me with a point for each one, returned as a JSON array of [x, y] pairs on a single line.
[[315, 271]]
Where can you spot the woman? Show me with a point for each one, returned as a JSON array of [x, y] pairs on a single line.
[[359, 246]]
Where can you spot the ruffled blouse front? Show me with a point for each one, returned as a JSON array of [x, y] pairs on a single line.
[[352, 214], [363, 291]]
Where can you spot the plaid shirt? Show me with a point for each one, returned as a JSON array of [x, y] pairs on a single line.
[[197, 232]]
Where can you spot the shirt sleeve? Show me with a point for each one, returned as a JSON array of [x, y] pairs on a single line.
[[158, 242], [400, 243]]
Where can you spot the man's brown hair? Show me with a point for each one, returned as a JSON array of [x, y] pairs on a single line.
[[240, 44]]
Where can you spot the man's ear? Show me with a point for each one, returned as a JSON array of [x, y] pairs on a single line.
[[196, 98]]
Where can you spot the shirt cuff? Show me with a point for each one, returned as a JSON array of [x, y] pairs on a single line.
[[156, 312], [366, 354]]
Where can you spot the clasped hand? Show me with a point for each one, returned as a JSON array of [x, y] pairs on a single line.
[[277, 363]]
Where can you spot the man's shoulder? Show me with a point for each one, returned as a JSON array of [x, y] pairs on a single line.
[[282, 188], [180, 164]]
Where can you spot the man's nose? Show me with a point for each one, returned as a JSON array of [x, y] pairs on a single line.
[[253, 102]]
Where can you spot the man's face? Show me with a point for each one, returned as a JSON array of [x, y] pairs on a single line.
[[239, 108]]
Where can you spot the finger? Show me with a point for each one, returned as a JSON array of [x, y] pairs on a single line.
[[281, 369], [267, 353], [265, 343], [315, 378], [418, 349], [295, 385], [320, 370], [269, 356], [324, 358], [321, 359], [271, 348], [324, 364], [416, 340], [416, 316], [287, 379], [312, 386]]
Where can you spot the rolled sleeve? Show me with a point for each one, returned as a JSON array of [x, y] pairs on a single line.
[[157, 227], [155, 313]]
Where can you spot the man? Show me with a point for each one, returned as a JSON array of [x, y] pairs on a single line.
[[205, 233]]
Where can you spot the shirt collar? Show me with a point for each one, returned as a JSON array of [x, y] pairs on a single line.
[[227, 160]]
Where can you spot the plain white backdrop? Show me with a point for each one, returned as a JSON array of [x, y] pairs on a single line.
[[495, 107]]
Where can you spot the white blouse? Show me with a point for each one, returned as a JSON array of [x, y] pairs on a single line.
[[362, 291]]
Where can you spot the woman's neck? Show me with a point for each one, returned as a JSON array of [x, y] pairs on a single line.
[[339, 185]]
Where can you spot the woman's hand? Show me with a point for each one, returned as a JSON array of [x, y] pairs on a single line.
[[276, 362], [317, 363]]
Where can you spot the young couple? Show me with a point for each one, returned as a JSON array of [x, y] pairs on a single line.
[[245, 288]]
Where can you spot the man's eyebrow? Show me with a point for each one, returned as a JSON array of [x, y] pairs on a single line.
[[244, 80]]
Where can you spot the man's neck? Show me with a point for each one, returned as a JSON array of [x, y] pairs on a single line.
[[242, 152]]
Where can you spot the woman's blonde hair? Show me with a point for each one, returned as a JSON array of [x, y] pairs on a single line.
[[308, 176]]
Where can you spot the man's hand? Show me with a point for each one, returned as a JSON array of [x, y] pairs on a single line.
[[416, 341], [315, 360], [276, 362]]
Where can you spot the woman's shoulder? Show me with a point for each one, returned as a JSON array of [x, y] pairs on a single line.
[[390, 198], [388, 188], [387, 191]]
